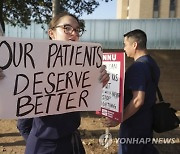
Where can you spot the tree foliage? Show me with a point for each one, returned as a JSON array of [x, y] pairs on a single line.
[[22, 12]]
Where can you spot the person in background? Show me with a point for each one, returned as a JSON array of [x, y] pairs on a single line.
[[139, 97], [57, 134]]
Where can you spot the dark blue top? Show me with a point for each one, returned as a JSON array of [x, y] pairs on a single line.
[[56, 126], [138, 77], [50, 127]]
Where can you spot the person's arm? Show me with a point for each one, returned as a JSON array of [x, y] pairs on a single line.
[[135, 104]]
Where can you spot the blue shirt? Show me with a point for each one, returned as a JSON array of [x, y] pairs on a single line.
[[138, 77]]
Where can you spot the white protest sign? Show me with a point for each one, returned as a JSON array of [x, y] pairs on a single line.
[[113, 92], [48, 77]]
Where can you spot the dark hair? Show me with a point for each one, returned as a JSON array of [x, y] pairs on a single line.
[[55, 20], [139, 36]]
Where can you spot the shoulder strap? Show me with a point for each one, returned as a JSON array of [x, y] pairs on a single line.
[[157, 88]]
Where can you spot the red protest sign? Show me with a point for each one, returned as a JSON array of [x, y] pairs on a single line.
[[113, 92]]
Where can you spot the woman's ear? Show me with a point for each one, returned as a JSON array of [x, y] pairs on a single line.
[[51, 34]]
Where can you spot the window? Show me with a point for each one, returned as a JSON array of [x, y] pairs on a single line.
[[172, 8], [156, 9], [128, 10]]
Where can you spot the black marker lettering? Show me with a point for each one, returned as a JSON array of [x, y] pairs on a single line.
[[87, 56], [77, 79], [26, 54], [65, 54], [77, 53], [85, 78], [50, 83], [36, 82], [20, 53], [38, 104], [59, 56], [99, 50], [68, 79], [49, 100], [59, 81], [60, 99], [10, 55], [68, 100], [51, 54], [23, 76], [27, 104], [82, 98], [71, 57]]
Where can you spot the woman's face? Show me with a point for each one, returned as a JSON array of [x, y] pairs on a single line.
[[58, 33]]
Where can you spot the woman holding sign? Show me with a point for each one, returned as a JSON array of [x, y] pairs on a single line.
[[58, 134]]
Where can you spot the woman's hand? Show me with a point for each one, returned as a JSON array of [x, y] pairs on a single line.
[[104, 77], [1, 74]]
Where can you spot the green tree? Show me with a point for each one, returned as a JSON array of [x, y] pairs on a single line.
[[22, 12]]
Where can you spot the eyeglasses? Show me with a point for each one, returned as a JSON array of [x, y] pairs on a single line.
[[68, 29]]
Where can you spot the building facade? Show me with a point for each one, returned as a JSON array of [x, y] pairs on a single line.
[[147, 9]]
